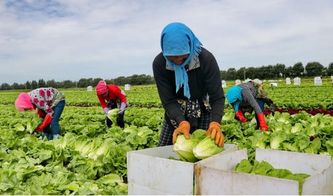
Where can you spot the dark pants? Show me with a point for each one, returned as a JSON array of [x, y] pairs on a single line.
[[248, 108], [53, 130], [261, 104], [120, 117], [245, 107]]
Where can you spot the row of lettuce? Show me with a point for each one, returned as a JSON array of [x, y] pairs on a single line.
[[90, 158], [304, 97]]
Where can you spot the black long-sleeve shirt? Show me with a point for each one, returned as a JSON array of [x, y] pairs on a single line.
[[204, 80]]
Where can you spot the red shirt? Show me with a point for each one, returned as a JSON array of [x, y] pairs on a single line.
[[115, 94]]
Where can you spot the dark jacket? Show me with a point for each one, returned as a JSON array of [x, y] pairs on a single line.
[[249, 93], [204, 80]]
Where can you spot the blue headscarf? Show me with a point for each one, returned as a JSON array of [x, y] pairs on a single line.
[[234, 96], [177, 39]]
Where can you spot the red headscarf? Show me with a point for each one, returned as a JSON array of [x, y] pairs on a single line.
[[101, 88]]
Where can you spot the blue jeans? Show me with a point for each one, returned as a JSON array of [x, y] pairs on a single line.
[[53, 130]]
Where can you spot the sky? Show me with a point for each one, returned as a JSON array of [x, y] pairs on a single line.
[[73, 39]]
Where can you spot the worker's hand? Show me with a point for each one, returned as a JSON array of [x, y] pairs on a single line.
[[268, 101], [239, 116], [40, 113], [47, 120], [106, 110], [38, 129], [184, 128], [262, 123], [122, 108], [272, 107], [214, 132]]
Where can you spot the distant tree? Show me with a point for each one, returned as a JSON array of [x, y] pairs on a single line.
[[27, 85], [223, 75], [314, 69], [260, 72], [251, 72], [241, 73], [34, 84], [266, 72], [95, 81], [111, 81], [15, 85], [51, 83], [330, 69], [289, 72], [263, 72], [231, 74], [140, 79], [279, 70], [5, 86], [324, 71], [41, 83], [21, 86], [68, 84], [121, 80], [84, 82], [298, 69]]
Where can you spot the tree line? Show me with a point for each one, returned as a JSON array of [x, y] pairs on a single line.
[[263, 72], [311, 69], [82, 83]]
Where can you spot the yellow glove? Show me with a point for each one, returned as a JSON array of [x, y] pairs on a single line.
[[214, 131], [184, 128]]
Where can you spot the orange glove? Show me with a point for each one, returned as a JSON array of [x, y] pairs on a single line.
[[47, 120], [184, 128], [214, 131]]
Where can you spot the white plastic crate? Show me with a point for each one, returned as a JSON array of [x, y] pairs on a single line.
[[127, 87], [224, 84], [273, 84], [89, 88], [150, 171], [297, 81], [288, 81], [317, 81], [216, 175]]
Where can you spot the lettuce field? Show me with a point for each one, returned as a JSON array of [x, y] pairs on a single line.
[[90, 158]]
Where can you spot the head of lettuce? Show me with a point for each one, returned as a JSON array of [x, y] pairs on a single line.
[[197, 147]]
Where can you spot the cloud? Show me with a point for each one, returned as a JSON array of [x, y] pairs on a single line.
[[70, 39]]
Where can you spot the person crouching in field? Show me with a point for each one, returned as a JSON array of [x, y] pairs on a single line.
[[110, 97], [49, 104], [247, 97], [189, 85]]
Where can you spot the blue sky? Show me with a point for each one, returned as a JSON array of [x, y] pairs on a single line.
[[73, 39]]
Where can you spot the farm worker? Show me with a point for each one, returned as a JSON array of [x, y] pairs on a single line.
[[110, 97], [247, 97], [189, 85], [49, 104]]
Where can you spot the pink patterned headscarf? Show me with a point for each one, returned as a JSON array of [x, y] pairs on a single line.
[[23, 102]]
